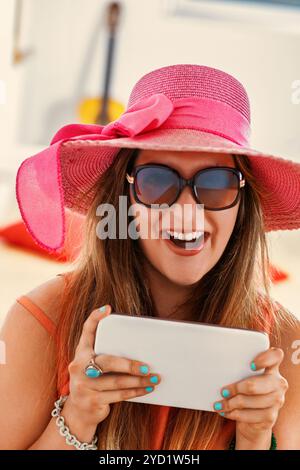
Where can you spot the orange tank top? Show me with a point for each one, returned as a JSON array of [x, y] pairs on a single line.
[[161, 412]]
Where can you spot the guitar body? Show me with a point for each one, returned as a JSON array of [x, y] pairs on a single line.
[[90, 108]]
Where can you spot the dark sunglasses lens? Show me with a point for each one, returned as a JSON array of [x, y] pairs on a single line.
[[217, 188], [155, 185]]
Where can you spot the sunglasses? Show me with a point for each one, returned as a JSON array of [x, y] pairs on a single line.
[[217, 188]]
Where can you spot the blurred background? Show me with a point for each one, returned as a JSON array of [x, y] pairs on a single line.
[[64, 61]]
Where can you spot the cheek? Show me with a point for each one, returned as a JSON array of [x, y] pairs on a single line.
[[222, 224]]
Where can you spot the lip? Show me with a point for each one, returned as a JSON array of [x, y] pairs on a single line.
[[182, 252]]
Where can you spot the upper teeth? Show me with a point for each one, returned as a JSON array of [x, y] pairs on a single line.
[[185, 236]]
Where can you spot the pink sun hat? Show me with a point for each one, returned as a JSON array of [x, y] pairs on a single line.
[[182, 107]]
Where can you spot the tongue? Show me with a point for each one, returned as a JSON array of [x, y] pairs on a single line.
[[178, 242], [192, 244]]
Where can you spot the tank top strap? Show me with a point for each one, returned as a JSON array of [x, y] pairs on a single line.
[[38, 313], [51, 328]]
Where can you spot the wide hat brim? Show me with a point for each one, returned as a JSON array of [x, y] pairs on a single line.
[[55, 178]]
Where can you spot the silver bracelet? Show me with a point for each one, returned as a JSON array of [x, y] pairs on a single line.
[[64, 431]]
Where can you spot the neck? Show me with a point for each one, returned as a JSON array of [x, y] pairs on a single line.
[[167, 295]]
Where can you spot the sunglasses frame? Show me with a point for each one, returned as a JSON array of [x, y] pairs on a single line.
[[186, 182]]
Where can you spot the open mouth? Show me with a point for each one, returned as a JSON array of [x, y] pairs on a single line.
[[187, 241]]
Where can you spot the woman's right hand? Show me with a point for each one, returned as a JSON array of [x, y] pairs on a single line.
[[89, 398]]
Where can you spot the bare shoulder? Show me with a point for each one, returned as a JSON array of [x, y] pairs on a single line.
[[48, 296], [289, 330], [287, 426], [28, 376], [290, 344]]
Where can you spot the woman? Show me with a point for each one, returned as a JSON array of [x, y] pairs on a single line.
[[180, 120]]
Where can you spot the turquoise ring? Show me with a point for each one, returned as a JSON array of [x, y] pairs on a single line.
[[92, 370]]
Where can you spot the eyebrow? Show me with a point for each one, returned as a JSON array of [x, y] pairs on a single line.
[[203, 168]]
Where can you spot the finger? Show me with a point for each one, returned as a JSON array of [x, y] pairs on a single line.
[[258, 385], [269, 360], [109, 363], [108, 397], [87, 338], [123, 381], [265, 416], [240, 401]]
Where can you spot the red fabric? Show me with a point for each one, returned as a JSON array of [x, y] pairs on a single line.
[[277, 275], [17, 234]]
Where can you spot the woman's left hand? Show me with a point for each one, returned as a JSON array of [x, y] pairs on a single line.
[[254, 403]]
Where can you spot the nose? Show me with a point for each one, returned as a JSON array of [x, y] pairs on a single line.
[[187, 196], [192, 213]]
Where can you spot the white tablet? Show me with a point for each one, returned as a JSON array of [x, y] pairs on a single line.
[[195, 360]]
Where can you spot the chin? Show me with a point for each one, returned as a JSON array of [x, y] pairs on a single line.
[[185, 279]]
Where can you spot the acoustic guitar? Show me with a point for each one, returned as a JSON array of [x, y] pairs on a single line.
[[102, 110]]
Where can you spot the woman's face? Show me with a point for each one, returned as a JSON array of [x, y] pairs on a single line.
[[178, 265]]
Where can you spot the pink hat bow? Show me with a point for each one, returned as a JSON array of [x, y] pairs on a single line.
[[158, 111]]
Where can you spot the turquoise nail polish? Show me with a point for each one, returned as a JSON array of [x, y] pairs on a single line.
[[144, 369], [154, 379], [102, 309], [218, 406], [222, 414], [253, 366], [225, 393], [149, 389]]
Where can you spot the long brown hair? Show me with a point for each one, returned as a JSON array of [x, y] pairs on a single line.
[[235, 292]]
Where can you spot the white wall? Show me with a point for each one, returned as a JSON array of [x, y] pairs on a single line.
[[69, 37]]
